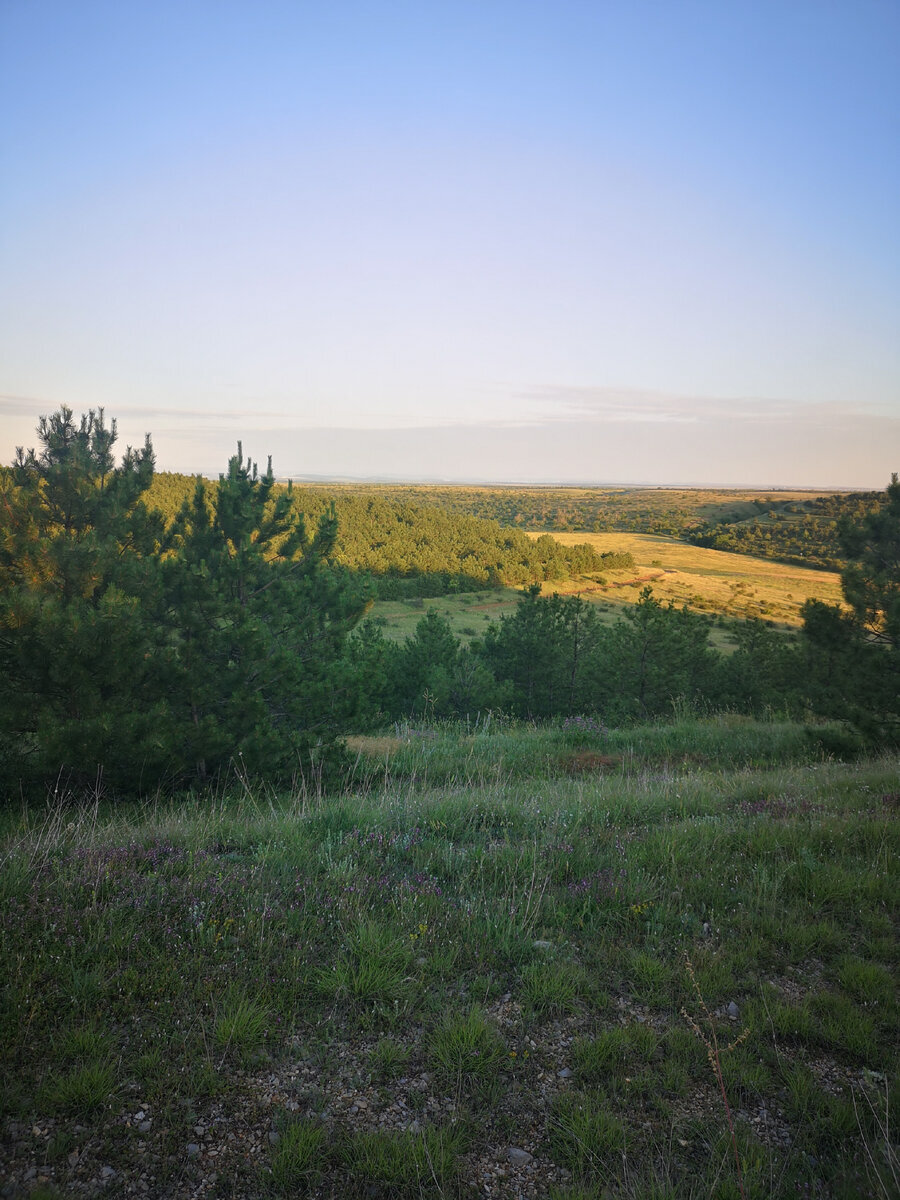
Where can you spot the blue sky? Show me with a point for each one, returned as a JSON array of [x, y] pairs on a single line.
[[615, 242]]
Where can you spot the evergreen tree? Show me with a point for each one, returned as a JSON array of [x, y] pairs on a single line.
[[542, 651], [258, 620], [658, 653], [371, 662], [131, 656], [763, 673], [871, 580], [77, 559], [853, 659], [425, 668]]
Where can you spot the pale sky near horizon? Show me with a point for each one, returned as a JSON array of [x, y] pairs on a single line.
[[645, 241]]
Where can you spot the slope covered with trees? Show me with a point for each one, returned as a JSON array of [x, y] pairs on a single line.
[[411, 548], [794, 527]]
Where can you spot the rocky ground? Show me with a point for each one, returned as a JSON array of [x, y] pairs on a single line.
[[223, 1147]]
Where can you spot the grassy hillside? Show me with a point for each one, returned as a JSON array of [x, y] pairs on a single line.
[[709, 580], [492, 968]]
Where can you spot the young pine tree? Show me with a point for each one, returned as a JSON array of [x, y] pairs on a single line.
[[853, 658], [257, 622], [78, 560]]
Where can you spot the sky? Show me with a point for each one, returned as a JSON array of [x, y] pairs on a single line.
[[616, 241]]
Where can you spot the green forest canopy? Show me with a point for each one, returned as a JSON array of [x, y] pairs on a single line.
[[415, 548], [799, 527]]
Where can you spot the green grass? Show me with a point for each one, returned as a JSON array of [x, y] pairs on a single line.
[[551, 989], [241, 1024], [401, 1164], [467, 612], [387, 1059], [299, 1157], [79, 1092], [720, 584], [472, 949], [585, 1136], [466, 1046]]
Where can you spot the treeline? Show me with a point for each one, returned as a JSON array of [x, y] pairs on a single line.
[[554, 658], [414, 549]]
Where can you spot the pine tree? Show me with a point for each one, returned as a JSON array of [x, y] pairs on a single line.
[[258, 620], [131, 655], [658, 653], [542, 650], [77, 561], [853, 659], [871, 580]]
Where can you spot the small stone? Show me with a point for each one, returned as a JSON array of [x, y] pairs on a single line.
[[565, 1073], [733, 1011], [518, 1158], [139, 1116], [145, 1126], [106, 1173], [73, 1158], [193, 1149], [541, 944], [274, 1137]]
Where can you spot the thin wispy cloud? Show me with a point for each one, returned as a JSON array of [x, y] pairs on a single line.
[[563, 403]]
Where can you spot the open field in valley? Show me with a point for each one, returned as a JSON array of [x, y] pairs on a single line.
[[709, 580]]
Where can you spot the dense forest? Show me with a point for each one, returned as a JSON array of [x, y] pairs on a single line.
[[413, 548], [139, 646], [800, 528]]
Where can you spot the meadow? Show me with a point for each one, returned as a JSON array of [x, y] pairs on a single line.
[[507, 960], [714, 582]]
